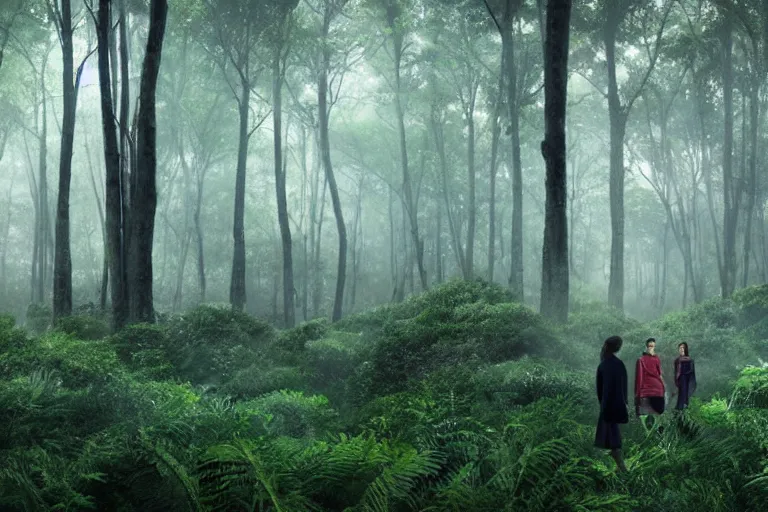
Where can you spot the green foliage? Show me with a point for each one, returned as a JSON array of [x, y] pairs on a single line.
[[449, 331], [295, 339], [526, 381], [80, 363], [209, 344], [10, 336], [86, 425], [751, 389], [259, 379], [291, 413], [84, 327], [38, 318], [143, 347]]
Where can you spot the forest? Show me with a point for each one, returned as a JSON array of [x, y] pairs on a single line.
[[362, 255]]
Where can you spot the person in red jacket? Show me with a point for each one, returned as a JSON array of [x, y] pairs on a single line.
[[649, 384]]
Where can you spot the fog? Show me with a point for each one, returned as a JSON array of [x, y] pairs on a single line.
[[665, 194]]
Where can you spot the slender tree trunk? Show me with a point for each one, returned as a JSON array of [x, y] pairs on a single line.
[[113, 194], [471, 178], [144, 189], [6, 239], [751, 191], [42, 250], [516, 237], [418, 245], [289, 314], [439, 243], [618, 122], [97, 196], [62, 268], [554, 275], [317, 298], [730, 197], [237, 294], [325, 147], [495, 135]]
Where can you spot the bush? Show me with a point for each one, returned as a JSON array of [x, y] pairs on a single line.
[[11, 337], [449, 333], [292, 414], [591, 323], [504, 386], [79, 363], [38, 318], [209, 344], [144, 348], [83, 327], [334, 358], [295, 340], [259, 379]]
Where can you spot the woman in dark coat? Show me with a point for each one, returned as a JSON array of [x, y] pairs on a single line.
[[612, 394], [685, 376]]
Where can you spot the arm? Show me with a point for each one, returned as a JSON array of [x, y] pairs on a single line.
[[623, 378], [599, 384]]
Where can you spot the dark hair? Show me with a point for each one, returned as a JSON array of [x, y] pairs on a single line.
[[611, 346], [650, 340], [684, 345]]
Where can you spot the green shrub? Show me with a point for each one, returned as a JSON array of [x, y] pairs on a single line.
[[79, 363], [38, 318], [11, 337], [456, 333], [506, 385], [334, 358], [261, 378], [593, 322], [295, 340], [446, 296], [751, 388], [292, 414], [209, 344], [83, 327]]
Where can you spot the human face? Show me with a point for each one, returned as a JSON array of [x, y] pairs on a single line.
[[681, 350], [651, 348]]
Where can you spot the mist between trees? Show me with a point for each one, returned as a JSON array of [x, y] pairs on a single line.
[[303, 159]]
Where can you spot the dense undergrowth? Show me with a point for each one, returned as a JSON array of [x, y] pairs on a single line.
[[455, 400]]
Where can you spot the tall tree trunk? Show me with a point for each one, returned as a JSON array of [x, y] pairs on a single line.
[[471, 178], [42, 250], [730, 196], [289, 314], [554, 273], [143, 183], [516, 238], [97, 196], [237, 293], [437, 130], [325, 147], [5, 238], [393, 19], [618, 123], [62, 267], [495, 135], [113, 194], [439, 243], [751, 189]]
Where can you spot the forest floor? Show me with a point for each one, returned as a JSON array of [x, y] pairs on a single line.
[[454, 400]]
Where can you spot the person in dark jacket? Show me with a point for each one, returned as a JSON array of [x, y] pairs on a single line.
[[612, 394], [685, 376]]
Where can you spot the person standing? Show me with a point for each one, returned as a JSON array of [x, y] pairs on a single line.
[[611, 386], [685, 376], [649, 384]]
